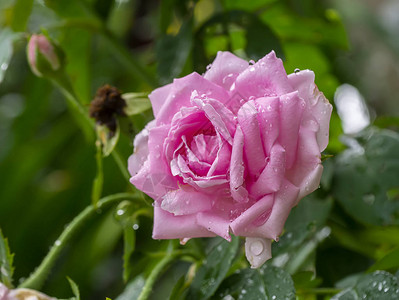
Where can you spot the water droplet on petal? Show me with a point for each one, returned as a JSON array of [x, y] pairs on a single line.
[[297, 70]]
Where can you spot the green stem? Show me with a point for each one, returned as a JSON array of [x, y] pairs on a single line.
[[121, 164], [169, 257], [38, 277]]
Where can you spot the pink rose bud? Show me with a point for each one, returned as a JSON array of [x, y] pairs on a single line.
[[232, 151], [45, 57]]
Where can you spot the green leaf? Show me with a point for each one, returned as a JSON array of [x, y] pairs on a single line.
[[6, 262], [133, 289], [389, 261], [378, 285], [267, 283], [108, 139], [172, 52], [21, 13], [303, 222], [178, 289], [136, 103], [366, 178], [75, 289], [7, 37], [213, 269], [129, 239], [306, 279], [261, 40]]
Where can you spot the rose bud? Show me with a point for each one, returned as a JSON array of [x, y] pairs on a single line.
[[232, 151], [44, 56]]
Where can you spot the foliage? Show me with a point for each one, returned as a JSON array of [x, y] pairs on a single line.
[[340, 242]]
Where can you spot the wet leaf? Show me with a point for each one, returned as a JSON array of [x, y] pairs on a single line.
[[136, 103], [6, 262], [213, 269]]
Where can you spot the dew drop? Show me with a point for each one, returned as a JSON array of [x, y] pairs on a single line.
[[57, 243], [251, 62], [256, 247], [120, 212], [135, 226], [297, 70], [4, 66], [209, 66]]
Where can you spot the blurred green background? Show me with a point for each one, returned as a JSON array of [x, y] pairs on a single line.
[[47, 164]]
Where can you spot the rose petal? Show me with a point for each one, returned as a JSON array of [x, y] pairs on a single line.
[[311, 182], [221, 118], [258, 251], [158, 98], [186, 202], [225, 69], [140, 154], [214, 224], [168, 226], [265, 78], [272, 175], [179, 96], [322, 112], [222, 160], [291, 110], [240, 225], [308, 155], [284, 200], [319, 106], [253, 147], [237, 168], [269, 120]]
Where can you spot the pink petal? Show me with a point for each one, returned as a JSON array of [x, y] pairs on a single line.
[[308, 156], [225, 69], [311, 182], [291, 110], [237, 168], [168, 226], [215, 224], [269, 120], [318, 105], [221, 118], [140, 153], [240, 225], [179, 95], [322, 112], [186, 202], [272, 175], [222, 160], [284, 200], [253, 147], [265, 78], [159, 96]]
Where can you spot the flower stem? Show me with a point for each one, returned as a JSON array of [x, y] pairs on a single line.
[[38, 277], [169, 257]]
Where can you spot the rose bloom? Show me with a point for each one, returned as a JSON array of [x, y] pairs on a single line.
[[232, 151]]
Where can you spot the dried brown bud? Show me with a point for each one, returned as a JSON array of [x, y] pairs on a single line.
[[106, 106]]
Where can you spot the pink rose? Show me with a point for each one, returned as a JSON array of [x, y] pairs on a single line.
[[232, 151]]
